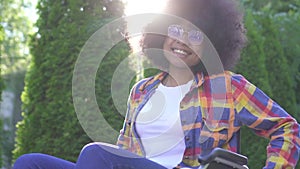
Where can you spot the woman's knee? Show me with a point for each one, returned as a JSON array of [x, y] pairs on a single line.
[[105, 149], [39, 160], [26, 161], [89, 149], [90, 146]]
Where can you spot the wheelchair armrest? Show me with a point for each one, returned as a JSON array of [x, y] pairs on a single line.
[[226, 157]]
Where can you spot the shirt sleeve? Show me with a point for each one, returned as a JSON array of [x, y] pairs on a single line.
[[256, 110], [124, 136], [123, 139]]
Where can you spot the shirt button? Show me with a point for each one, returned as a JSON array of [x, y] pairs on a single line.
[[181, 106], [187, 138], [186, 157]]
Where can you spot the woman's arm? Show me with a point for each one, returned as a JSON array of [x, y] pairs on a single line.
[[124, 137], [256, 110]]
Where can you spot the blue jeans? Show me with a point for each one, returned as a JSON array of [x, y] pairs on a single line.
[[92, 156]]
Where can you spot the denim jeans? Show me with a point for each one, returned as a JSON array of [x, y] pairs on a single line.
[[92, 156]]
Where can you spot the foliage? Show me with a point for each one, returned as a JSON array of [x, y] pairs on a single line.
[[288, 26], [277, 65], [1, 89], [14, 59], [1, 41], [113, 110], [17, 27], [252, 66], [273, 49], [49, 122], [1, 140], [272, 6]]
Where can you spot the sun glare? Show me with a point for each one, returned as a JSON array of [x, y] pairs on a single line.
[[143, 6], [137, 7]]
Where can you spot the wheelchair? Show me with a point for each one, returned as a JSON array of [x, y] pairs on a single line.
[[220, 158]]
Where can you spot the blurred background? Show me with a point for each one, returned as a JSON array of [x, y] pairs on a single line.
[[40, 41]]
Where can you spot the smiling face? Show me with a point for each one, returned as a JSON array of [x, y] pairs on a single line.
[[181, 47]]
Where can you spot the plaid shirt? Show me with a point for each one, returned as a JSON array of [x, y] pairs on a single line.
[[212, 113]]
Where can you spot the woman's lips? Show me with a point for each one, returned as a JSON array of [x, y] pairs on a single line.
[[180, 52]]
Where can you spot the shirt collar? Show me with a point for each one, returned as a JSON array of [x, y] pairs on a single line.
[[154, 81]]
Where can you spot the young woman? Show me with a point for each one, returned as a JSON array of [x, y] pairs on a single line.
[[193, 105]]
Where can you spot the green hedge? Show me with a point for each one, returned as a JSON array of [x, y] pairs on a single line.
[[1, 89], [50, 124], [266, 63]]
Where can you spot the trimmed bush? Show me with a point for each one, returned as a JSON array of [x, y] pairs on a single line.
[[50, 124]]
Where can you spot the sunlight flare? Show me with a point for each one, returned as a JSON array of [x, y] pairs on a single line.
[[143, 6], [140, 7]]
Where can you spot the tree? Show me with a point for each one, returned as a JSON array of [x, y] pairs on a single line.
[[279, 6], [14, 56], [1, 41], [17, 26], [253, 60], [49, 122], [253, 66], [288, 26], [272, 49], [1, 89], [283, 18], [277, 65]]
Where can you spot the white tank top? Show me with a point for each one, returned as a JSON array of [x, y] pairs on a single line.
[[159, 126]]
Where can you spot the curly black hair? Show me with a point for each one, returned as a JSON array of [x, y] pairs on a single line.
[[220, 20]]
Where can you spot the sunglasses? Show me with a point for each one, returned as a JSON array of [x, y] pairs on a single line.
[[177, 32]]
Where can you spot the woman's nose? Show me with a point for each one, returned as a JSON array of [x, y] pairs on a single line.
[[183, 40]]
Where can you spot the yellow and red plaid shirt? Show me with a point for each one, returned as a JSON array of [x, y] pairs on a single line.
[[212, 113]]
